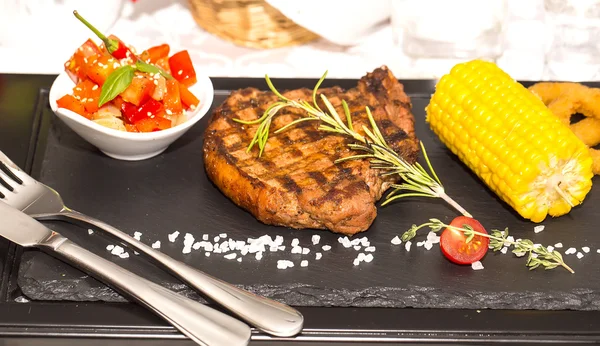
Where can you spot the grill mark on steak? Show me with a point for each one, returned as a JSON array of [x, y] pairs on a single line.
[[296, 182]]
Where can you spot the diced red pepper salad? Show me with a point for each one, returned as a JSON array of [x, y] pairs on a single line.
[[148, 102]]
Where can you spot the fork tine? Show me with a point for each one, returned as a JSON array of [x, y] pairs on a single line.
[[10, 174], [6, 185]]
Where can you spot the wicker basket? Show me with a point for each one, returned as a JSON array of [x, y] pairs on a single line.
[[250, 23]]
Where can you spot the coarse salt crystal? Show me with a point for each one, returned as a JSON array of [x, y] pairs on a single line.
[[504, 250], [477, 265], [117, 250], [361, 256], [356, 262], [216, 250], [156, 244], [346, 243], [173, 236], [90, 231], [509, 240], [239, 259], [558, 245], [231, 256], [407, 245], [258, 255], [216, 239], [585, 249], [305, 251], [396, 241], [196, 245], [579, 255], [205, 237], [296, 250], [244, 250], [420, 243], [124, 255], [316, 239], [326, 247], [295, 242], [281, 248], [570, 251], [538, 229], [598, 251], [370, 249], [186, 249], [304, 263], [273, 248], [364, 241], [207, 254], [368, 258], [137, 235], [283, 264], [110, 247], [355, 242], [428, 245], [223, 235], [433, 238], [357, 247], [318, 256], [550, 248]]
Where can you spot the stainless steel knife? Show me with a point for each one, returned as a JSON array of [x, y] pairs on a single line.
[[200, 323]]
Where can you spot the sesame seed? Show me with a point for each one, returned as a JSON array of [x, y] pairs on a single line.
[[155, 82], [192, 107], [149, 113], [95, 87], [169, 112], [85, 60], [180, 72]]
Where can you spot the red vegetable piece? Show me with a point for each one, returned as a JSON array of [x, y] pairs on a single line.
[[122, 50], [182, 68], [130, 112], [71, 103], [153, 54], [89, 94], [153, 124], [98, 70], [172, 99], [76, 65], [139, 91], [187, 98], [454, 246]]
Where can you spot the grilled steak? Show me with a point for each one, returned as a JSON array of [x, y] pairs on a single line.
[[295, 182]]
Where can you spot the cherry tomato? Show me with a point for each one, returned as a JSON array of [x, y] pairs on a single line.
[[454, 246]]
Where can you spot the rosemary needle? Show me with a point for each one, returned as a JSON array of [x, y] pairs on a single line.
[[416, 181]]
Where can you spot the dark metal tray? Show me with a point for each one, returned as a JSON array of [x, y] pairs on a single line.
[[99, 186]]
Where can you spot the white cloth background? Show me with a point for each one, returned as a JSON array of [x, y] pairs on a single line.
[[149, 22]]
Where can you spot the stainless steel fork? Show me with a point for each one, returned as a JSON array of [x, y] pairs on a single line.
[[44, 203]]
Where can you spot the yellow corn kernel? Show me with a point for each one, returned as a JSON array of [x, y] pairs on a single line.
[[510, 139]]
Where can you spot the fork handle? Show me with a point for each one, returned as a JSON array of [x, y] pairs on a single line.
[[200, 323], [265, 314]]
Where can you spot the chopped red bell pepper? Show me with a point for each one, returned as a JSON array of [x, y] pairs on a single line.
[[152, 54], [182, 68], [89, 94], [71, 103], [150, 109], [139, 91], [153, 124], [77, 64], [187, 98], [122, 50], [172, 99]]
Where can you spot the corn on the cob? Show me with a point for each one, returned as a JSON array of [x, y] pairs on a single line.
[[510, 139]]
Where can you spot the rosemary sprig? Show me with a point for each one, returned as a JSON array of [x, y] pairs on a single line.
[[416, 181], [536, 255]]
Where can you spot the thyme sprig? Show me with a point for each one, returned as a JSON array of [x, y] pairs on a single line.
[[537, 255], [416, 181]]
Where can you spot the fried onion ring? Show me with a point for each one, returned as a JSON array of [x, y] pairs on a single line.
[[565, 99]]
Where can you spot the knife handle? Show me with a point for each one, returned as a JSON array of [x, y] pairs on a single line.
[[265, 314], [199, 322]]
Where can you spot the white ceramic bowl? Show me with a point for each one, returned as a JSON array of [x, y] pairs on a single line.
[[129, 146]]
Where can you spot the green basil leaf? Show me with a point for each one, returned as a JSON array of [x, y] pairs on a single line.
[[116, 83], [147, 68]]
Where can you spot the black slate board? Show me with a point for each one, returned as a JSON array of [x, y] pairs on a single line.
[[171, 192]]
